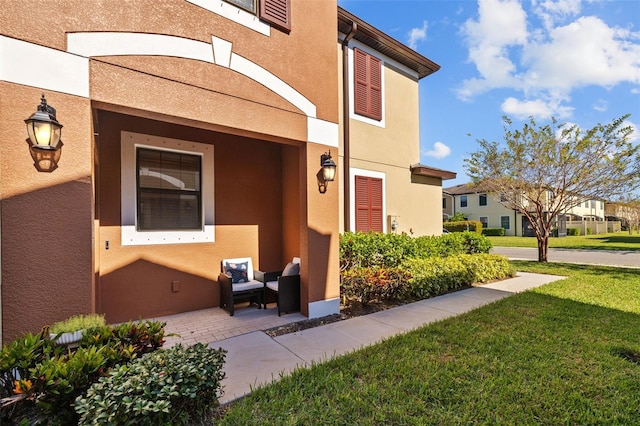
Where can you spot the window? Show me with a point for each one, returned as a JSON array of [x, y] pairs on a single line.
[[505, 222], [601, 205], [503, 198], [482, 198], [168, 191], [593, 204], [367, 85], [249, 5], [463, 201], [369, 204], [274, 12], [485, 221], [444, 203]]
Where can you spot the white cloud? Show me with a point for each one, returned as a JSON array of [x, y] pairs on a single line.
[[545, 64], [601, 105], [635, 134], [538, 108], [550, 11], [417, 34], [439, 151]]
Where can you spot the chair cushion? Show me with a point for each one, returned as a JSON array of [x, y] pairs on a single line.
[[224, 262], [291, 269], [273, 285], [238, 272], [247, 286]]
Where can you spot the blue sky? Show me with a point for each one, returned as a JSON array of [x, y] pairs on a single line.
[[578, 61]]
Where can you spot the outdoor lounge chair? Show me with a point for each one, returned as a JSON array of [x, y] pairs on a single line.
[[283, 287], [238, 284]]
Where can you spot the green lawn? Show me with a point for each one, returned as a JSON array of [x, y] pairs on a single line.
[[617, 241], [566, 353]]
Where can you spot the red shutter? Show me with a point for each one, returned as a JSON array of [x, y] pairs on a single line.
[[375, 194], [368, 204], [277, 13], [367, 85], [361, 82], [375, 88]]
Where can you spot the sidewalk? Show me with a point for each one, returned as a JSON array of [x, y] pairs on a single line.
[[255, 358]]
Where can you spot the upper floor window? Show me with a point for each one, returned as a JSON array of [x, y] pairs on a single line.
[[444, 203], [483, 199], [463, 201], [168, 186], [367, 85], [274, 12]]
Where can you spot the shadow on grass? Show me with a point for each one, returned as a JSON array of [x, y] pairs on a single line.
[[557, 268]]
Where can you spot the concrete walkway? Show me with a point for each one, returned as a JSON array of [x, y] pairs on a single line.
[[255, 359]]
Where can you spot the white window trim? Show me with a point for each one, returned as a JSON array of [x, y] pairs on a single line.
[[352, 196], [235, 14], [130, 235]]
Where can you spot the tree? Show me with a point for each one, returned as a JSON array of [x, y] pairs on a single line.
[[543, 171]]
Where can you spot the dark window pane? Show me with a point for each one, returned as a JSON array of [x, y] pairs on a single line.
[[168, 193]]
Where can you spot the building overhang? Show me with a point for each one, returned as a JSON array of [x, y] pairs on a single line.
[[385, 44], [422, 170]]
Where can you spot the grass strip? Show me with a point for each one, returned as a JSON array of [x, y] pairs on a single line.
[[562, 354]]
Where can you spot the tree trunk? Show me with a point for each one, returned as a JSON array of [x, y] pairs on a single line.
[[543, 244]]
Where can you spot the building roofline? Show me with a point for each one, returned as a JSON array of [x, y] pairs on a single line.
[[422, 170], [384, 43]]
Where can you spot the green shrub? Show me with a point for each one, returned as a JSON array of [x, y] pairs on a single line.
[[573, 232], [488, 267], [464, 225], [589, 231], [173, 386], [52, 376], [78, 322], [493, 232], [360, 250], [434, 276], [368, 284], [374, 249]]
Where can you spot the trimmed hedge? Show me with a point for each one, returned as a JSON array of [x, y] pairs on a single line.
[[434, 276], [573, 232], [493, 232], [361, 250], [464, 225]]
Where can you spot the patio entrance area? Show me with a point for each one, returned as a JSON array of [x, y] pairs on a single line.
[[213, 324]]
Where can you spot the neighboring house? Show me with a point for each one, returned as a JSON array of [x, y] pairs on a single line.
[[385, 189], [193, 131], [480, 204]]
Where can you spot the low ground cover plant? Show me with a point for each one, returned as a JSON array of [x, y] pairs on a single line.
[[173, 387], [564, 353]]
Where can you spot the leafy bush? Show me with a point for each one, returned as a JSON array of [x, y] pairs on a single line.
[[368, 284], [434, 276], [463, 225], [589, 231], [493, 232], [173, 386], [42, 379], [78, 322], [361, 250], [573, 232]]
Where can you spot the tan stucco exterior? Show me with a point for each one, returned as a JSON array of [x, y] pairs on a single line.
[[258, 102], [388, 148]]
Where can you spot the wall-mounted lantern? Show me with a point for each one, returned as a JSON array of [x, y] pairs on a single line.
[[44, 141], [327, 173]]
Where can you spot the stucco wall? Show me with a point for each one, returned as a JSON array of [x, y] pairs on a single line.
[[46, 217]]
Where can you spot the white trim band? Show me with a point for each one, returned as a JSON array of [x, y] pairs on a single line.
[[22, 62]]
